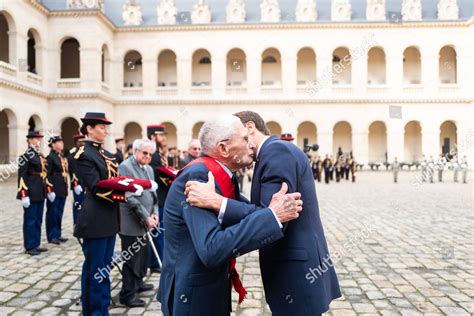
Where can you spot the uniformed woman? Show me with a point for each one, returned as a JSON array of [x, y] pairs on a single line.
[[97, 223], [32, 191], [57, 175]]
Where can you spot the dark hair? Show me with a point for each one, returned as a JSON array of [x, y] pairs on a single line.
[[249, 116], [83, 128]]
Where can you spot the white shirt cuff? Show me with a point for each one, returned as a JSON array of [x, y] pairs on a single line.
[[276, 217], [220, 217]]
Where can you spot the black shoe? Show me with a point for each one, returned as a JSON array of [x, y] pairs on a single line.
[[134, 302], [62, 239], [32, 252], [54, 241], [155, 270], [145, 287], [41, 249]]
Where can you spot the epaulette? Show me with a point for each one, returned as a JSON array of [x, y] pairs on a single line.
[[79, 152], [73, 150]]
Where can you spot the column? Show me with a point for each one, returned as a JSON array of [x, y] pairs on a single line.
[[360, 74], [19, 55], [289, 69], [430, 72], [394, 64], [395, 140], [254, 74], [184, 72], [323, 75], [360, 146], [219, 75], [430, 140], [90, 66], [149, 75]]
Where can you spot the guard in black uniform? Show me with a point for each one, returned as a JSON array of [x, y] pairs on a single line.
[[32, 190], [157, 133], [76, 187], [120, 147], [57, 175], [97, 223]]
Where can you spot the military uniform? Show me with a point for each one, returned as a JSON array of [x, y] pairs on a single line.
[[32, 189], [57, 167], [97, 222], [327, 165], [76, 186], [395, 169], [464, 169], [159, 159], [353, 169]]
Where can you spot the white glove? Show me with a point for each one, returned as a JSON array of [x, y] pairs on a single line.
[[154, 186], [51, 196], [138, 192], [25, 201], [78, 189]]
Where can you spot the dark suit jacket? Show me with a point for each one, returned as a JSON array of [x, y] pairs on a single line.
[[195, 274], [32, 176], [290, 286]]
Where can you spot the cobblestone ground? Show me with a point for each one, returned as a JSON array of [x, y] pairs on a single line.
[[403, 249]]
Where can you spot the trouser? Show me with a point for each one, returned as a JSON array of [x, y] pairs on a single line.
[[440, 175], [423, 174], [464, 176], [456, 171], [327, 176], [134, 269], [32, 221], [395, 176], [346, 171], [54, 217], [158, 241], [95, 281], [76, 206]]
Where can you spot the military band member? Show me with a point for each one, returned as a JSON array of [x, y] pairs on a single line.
[[120, 148], [424, 167], [347, 168], [395, 169], [317, 168], [464, 169], [97, 223], [57, 175], [456, 166], [173, 158], [327, 166], [353, 165], [76, 187], [32, 191], [338, 169], [157, 134], [441, 165]]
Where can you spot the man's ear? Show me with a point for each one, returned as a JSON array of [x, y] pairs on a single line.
[[222, 150], [250, 127]]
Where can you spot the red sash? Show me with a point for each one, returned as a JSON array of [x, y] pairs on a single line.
[[227, 187]]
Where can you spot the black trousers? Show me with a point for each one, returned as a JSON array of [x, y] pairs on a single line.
[[135, 264]]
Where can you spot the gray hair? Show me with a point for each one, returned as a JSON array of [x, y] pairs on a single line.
[[139, 143], [192, 142], [216, 130]]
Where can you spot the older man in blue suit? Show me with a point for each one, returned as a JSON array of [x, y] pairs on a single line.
[[198, 269], [297, 272]]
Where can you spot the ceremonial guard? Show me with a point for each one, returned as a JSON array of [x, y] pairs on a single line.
[[120, 147], [159, 160], [97, 223], [32, 190], [338, 168], [317, 167], [395, 169], [353, 165], [173, 158], [464, 169], [327, 165], [57, 173], [76, 187], [347, 168], [441, 165]]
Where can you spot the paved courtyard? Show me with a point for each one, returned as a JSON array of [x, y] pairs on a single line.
[[400, 249]]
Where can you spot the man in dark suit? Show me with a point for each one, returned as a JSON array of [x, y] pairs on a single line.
[[198, 269], [296, 280]]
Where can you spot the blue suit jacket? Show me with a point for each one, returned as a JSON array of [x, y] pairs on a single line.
[[195, 273], [297, 274]]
